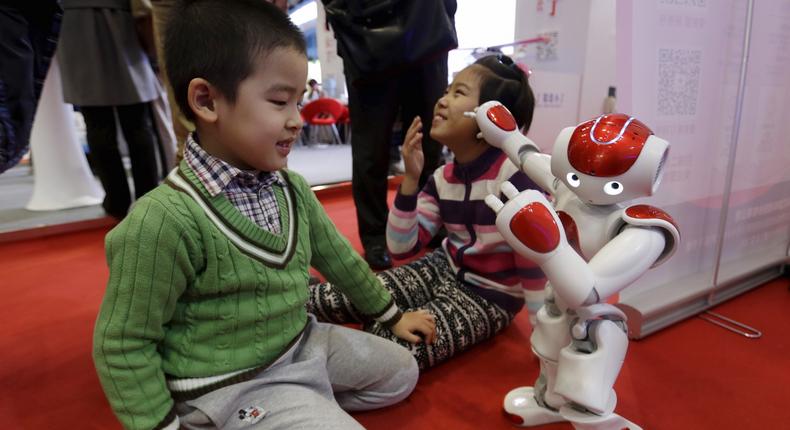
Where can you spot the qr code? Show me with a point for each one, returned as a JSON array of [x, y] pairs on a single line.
[[678, 81]]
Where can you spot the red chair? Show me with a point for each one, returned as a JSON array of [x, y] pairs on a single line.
[[323, 112]]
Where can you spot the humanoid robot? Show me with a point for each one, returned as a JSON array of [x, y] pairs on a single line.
[[590, 244]]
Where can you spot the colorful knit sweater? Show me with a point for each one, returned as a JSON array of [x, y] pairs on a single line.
[[454, 197], [197, 290]]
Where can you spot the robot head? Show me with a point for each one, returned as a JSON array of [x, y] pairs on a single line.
[[611, 159]]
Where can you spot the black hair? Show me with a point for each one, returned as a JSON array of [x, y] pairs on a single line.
[[504, 81], [220, 41]]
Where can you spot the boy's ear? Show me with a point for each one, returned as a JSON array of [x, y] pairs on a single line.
[[200, 97]]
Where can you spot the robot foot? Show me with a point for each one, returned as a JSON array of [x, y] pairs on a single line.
[[522, 409], [587, 421]]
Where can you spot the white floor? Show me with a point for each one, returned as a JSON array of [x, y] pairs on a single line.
[[321, 164], [16, 189]]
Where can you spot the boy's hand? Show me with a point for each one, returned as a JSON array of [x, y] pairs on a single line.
[[416, 322], [413, 158]]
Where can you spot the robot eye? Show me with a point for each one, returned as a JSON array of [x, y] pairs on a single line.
[[613, 188], [573, 180]]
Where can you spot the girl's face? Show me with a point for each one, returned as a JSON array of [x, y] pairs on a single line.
[[449, 126]]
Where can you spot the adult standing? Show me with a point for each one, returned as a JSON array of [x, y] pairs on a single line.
[[402, 69], [106, 72], [28, 35]]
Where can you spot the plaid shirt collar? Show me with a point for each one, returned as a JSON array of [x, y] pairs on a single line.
[[217, 175]]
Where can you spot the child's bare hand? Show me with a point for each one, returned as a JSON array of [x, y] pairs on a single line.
[[413, 158], [416, 322]]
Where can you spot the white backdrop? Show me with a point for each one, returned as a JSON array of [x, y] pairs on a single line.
[[679, 66]]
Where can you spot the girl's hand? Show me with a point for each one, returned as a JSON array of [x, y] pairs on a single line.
[[413, 158], [416, 322]]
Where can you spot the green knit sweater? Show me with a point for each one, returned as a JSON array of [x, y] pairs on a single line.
[[196, 289]]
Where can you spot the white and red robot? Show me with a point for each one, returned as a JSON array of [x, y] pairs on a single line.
[[590, 244]]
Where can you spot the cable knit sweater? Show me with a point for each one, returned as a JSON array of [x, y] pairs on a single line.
[[198, 290]]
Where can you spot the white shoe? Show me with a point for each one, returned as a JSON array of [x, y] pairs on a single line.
[[523, 410]]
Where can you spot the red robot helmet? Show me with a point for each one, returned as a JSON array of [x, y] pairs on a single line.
[[610, 159], [608, 145]]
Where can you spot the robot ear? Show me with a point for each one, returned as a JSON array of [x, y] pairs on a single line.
[[660, 171], [661, 149]]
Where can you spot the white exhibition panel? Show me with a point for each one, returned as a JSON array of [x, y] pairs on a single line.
[[679, 70], [556, 105], [758, 221]]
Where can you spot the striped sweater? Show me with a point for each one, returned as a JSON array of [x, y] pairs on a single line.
[[454, 197], [200, 294]]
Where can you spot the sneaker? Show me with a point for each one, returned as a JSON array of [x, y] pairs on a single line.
[[377, 257]]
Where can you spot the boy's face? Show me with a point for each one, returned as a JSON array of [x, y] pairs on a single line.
[[449, 125], [258, 130]]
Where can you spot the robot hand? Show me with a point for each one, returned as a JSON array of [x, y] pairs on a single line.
[[528, 223], [499, 129], [496, 123]]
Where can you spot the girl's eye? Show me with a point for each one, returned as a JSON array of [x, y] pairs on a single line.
[[278, 102]]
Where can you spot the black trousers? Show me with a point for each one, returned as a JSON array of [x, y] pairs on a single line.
[[28, 34], [138, 130], [374, 108]]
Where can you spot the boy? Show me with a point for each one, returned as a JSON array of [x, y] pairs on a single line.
[[203, 324]]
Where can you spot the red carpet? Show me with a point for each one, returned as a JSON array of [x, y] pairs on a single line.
[[690, 376]]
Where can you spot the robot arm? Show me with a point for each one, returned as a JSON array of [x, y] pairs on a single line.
[[532, 228], [499, 129], [529, 224], [625, 258], [647, 237], [537, 166]]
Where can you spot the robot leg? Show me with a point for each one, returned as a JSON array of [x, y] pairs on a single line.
[[530, 406], [587, 372]]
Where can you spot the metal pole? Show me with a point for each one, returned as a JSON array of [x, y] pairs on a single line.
[[725, 204]]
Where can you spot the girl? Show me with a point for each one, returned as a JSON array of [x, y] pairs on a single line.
[[474, 285]]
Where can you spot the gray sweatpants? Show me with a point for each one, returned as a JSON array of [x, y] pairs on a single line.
[[331, 370]]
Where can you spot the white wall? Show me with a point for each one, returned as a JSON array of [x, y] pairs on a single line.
[[599, 60], [570, 22], [573, 72], [332, 78], [480, 24]]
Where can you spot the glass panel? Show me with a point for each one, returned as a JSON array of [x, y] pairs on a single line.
[[758, 217], [678, 71]]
